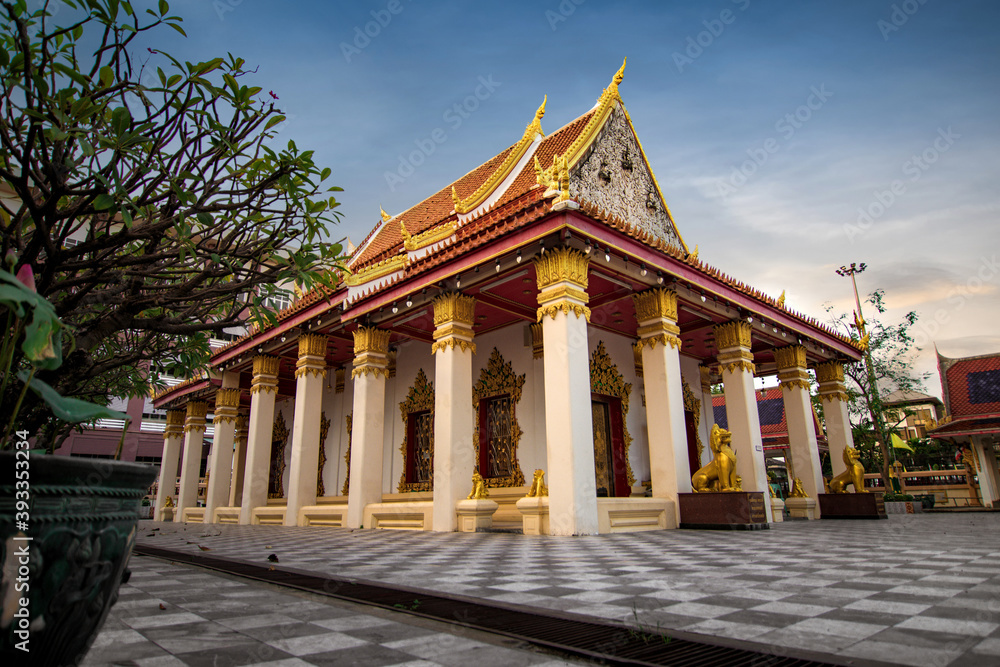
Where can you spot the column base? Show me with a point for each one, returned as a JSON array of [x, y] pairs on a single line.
[[534, 515], [852, 506], [801, 508], [475, 515], [725, 510], [778, 509]]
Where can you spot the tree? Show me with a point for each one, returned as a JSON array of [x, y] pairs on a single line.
[[186, 216], [890, 354]]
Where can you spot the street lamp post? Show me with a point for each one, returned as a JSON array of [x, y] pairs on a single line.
[[872, 397]]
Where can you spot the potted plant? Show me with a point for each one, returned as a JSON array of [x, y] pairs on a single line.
[[67, 526]]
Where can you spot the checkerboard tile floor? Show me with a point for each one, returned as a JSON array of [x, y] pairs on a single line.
[[170, 614], [914, 590]]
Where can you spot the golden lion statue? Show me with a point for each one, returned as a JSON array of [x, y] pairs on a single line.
[[855, 474], [538, 488], [478, 488], [720, 474], [797, 490]]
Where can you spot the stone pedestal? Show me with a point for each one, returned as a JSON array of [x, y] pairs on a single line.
[[476, 514], [852, 506], [777, 509], [534, 515], [801, 508], [729, 510]]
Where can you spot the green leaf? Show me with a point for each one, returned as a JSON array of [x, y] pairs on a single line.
[[69, 409], [103, 202], [121, 119], [43, 341], [177, 28], [106, 76], [205, 218], [272, 121], [164, 7]]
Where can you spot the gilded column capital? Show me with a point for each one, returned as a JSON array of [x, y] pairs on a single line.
[[830, 376], [736, 333], [562, 265], [791, 361], [537, 340], [454, 315], [242, 427], [265, 374], [195, 417], [655, 304], [312, 345], [339, 381], [175, 423], [227, 401], [706, 379], [371, 341]]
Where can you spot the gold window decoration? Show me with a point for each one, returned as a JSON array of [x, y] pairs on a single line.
[[607, 381], [324, 428], [417, 412], [349, 419], [279, 437], [495, 398]]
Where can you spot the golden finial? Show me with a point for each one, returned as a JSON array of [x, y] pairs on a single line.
[[694, 255], [402, 231], [535, 126], [385, 216], [455, 198], [298, 291], [781, 299], [620, 74]]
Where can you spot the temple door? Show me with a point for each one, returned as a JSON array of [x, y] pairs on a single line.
[[692, 441], [609, 447]]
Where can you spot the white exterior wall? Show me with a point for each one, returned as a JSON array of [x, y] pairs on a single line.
[[531, 453], [619, 348], [411, 356]]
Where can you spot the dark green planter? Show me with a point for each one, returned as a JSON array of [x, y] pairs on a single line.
[[81, 518]]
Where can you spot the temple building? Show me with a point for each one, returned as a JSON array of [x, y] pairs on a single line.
[[540, 314], [971, 390]]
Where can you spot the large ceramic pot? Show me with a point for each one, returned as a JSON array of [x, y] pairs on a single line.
[[65, 540]]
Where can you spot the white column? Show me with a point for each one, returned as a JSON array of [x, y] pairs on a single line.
[[562, 283], [670, 472], [309, 373], [454, 453], [194, 441], [263, 391], [239, 460], [220, 458], [173, 437], [371, 348], [802, 446], [832, 392], [733, 341], [986, 462]]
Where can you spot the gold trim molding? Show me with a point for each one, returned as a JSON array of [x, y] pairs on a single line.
[[497, 379], [663, 338], [562, 265], [419, 399], [513, 157], [451, 343], [606, 380], [376, 271], [427, 237], [370, 370], [567, 307]]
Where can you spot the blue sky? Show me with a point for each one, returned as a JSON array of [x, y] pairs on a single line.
[[789, 137]]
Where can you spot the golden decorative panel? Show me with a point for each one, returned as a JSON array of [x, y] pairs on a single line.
[[637, 357], [602, 447], [454, 307], [227, 398], [537, 340], [562, 265], [733, 334], [606, 380], [831, 371], [498, 379], [324, 428], [376, 271], [419, 399], [175, 417], [428, 237], [349, 420], [793, 356], [265, 365], [313, 345], [693, 405], [279, 438], [370, 339], [657, 303], [197, 410]]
